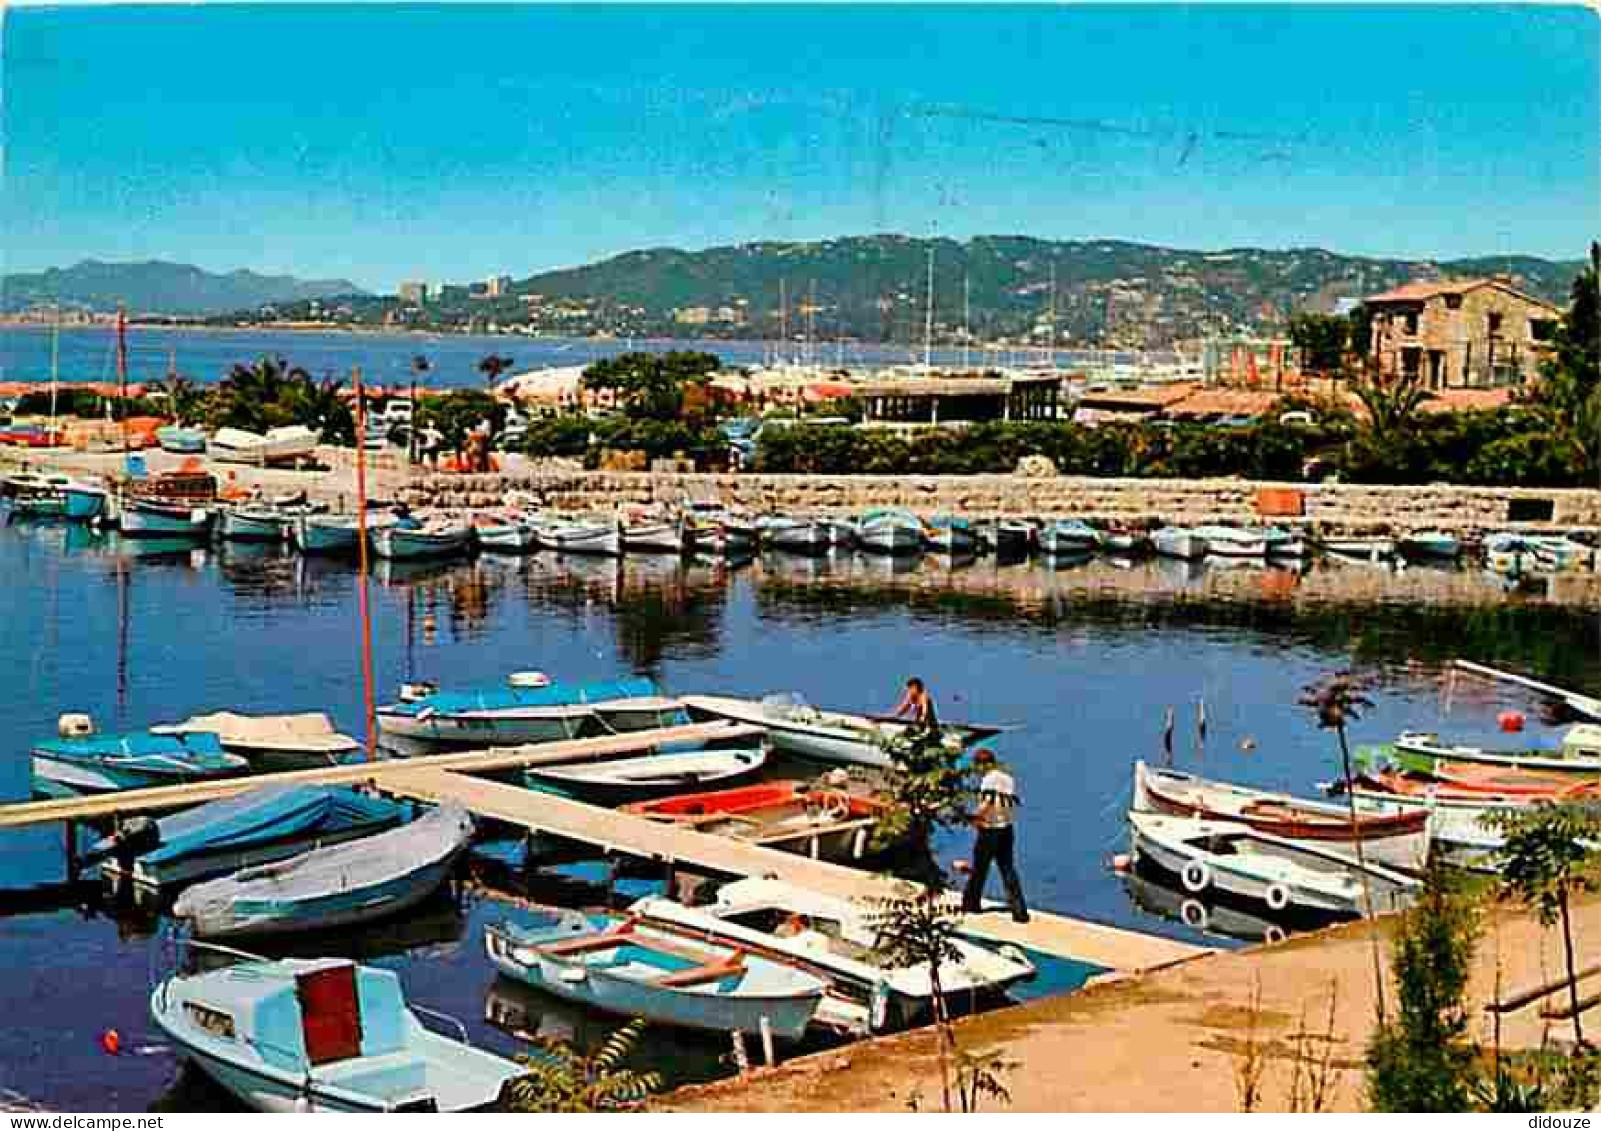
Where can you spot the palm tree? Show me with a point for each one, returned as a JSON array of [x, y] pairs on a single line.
[[1336, 701], [492, 367], [1392, 402]]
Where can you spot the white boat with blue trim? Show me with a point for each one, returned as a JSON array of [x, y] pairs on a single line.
[[321, 1035], [327, 888], [652, 970]]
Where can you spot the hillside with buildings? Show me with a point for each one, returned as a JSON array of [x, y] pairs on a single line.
[[874, 288]]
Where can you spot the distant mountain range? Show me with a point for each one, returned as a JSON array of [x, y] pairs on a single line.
[[160, 288], [866, 288], [876, 286]]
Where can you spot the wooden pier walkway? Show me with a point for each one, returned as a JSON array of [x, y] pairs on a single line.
[[444, 778]]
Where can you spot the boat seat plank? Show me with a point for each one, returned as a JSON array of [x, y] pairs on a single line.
[[699, 975], [583, 944]]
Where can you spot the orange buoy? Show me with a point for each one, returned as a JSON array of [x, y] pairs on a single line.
[[111, 1041], [1510, 721], [1121, 864]]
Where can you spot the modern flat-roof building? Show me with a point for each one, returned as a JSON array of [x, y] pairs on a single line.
[[1459, 333]]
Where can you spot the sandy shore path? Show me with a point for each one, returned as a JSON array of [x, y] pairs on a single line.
[[1169, 1041]]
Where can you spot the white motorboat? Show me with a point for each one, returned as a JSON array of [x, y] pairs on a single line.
[[1284, 875], [289, 444], [838, 941], [321, 1035]]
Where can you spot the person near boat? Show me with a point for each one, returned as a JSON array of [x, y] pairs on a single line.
[[918, 705], [994, 844]]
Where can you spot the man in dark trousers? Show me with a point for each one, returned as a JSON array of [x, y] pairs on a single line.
[[997, 809]]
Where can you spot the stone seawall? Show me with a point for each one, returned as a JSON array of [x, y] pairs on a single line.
[[1336, 507]]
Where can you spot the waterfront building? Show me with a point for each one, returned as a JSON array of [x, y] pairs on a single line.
[[920, 398], [1459, 333], [412, 292], [497, 286]]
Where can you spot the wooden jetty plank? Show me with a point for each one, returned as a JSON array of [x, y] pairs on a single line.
[[607, 829], [158, 798]]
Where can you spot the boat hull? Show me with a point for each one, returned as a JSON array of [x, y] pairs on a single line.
[[510, 538], [399, 544], [313, 537], [1226, 874], [1182, 544], [1398, 840], [408, 734], [786, 1016], [655, 538], [141, 518], [236, 526], [890, 538]]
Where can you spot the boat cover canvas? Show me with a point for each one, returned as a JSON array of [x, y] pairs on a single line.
[[310, 731], [368, 862], [199, 751], [507, 698], [270, 813]]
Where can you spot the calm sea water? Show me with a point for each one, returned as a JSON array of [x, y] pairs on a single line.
[[1083, 660], [89, 354]]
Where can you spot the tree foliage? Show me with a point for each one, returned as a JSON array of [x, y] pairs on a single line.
[[1422, 1060], [1322, 340], [270, 393], [1549, 854], [1570, 380], [561, 1079], [457, 413], [650, 385]]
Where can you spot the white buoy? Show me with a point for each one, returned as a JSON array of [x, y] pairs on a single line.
[[528, 679], [766, 1027]]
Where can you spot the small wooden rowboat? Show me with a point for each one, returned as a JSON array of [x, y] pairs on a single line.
[[658, 972], [635, 779], [1400, 840], [827, 824]]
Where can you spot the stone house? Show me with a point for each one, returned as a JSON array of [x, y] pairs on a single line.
[[1460, 333]]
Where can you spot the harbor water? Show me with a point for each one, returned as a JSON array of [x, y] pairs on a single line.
[[1080, 662]]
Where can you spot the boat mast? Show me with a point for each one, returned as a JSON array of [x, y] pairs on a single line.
[[1053, 315], [811, 327], [55, 363], [122, 376], [928, 313], [967, 320], [783, 318], [368, 702]]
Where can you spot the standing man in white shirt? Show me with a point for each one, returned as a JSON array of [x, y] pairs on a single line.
[[997, 807]]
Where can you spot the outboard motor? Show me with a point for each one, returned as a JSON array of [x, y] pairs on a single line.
[[528, 679], [134, 837], [422, 689], [75, 725]]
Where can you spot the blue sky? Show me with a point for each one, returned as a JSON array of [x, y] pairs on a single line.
[[454, 141]]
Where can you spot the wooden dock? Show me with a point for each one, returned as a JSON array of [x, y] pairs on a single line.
[[130, 801], [444, 778]]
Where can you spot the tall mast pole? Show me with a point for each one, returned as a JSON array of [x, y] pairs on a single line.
[[1053, 315], [967, 320], [122, 375], [369, 707], [783, 318], [928, 314], [55, 363]]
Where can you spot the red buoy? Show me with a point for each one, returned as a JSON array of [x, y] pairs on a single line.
[[111, 1041], [1510, 721]]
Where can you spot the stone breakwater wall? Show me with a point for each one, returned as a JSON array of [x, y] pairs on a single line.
[[1345, 508]]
